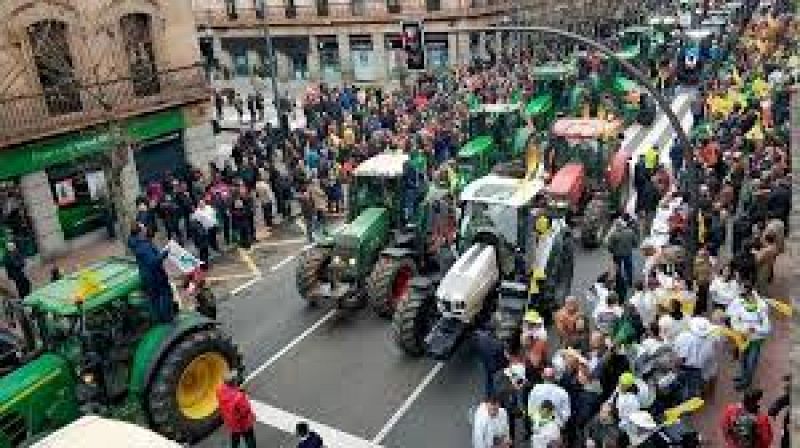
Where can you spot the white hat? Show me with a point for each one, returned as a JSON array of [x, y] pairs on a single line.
[[643, 420], [516, 371], [700, 326]]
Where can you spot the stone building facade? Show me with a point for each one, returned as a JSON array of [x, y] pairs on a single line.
[[78, 77]]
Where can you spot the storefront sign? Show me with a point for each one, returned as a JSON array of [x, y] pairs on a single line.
[[37, 156]]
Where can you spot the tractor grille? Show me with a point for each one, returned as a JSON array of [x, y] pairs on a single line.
[[13, 426]]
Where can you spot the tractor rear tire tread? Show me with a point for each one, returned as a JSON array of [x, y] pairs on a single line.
[[381, 281], [161, 398], [308, 271]]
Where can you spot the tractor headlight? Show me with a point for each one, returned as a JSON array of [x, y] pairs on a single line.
[[337, 260], [351, 262], [88, 378]]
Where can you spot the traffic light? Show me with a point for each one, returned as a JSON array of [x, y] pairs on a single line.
[[412, 44]]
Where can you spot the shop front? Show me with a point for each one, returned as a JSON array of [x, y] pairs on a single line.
[[73, 167], [329, 64], [436, 53], [364, 63]]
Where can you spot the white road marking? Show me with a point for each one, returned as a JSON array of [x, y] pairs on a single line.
[[282, 263], [407, 404], [237, 290], [289, 346], [286, 421]]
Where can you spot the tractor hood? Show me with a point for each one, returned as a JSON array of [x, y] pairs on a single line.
[[538, 105], [465, 286], [476, 146], [38, 396], [370, 225]]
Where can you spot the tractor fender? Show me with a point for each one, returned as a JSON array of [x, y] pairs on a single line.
[[155, 344]]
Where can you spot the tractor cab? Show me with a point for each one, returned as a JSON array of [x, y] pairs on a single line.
[[688, 13], [387, 181], [554, 81], [491, 129], [474, 160], [637, 40]]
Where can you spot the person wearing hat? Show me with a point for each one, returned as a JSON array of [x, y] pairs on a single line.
[[236, 411], [749, 315], [697, 348], [534, 339]]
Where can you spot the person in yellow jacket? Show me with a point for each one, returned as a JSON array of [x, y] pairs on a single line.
[[651, 158]]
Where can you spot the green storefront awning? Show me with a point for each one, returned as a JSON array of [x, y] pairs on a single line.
[[32, 157]]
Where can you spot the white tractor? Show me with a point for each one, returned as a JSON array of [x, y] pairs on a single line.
[[514, 254]]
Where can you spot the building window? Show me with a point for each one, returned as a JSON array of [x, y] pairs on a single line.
[[80, 193], [260, 7], [433, 5], [322, 8], [230, 9], [359, 7], [394, 6], [291, 9], [241, 66], [53, 61], [141, 58]]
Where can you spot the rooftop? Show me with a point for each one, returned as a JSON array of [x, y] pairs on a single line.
[[494, 189], [387, 164]]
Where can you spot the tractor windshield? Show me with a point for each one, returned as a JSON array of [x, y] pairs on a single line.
[[499, 218]]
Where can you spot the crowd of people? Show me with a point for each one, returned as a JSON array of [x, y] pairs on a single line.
[[629, 362]]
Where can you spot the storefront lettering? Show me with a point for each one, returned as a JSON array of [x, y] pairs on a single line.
[[77, 148]]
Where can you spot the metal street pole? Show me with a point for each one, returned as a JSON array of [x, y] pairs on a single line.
[[273, 69]]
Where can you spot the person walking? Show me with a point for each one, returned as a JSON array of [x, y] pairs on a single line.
[[251, 108], [308, 438], [265, 196], [490, 427], [236, 412], [621, 242], [749, 316], [14, 263]]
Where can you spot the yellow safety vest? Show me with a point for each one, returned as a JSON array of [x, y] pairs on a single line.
[[651, 158]]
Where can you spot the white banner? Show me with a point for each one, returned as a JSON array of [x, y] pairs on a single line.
[[181, 259]]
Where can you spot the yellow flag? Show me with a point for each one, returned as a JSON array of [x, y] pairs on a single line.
[[88, 284], [782, 307], [672, 415]]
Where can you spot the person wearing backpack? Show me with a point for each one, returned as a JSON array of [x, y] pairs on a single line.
[[743, 426]]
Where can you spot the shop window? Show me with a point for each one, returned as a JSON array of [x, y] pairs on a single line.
[[80, 193], [138, 40], [394, 6], [53, 61], [15, 224]]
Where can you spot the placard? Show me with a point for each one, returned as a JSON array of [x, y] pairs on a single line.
[[65, 192]]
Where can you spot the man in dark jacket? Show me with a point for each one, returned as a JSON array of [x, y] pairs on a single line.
[[14, 263], [150, 261]]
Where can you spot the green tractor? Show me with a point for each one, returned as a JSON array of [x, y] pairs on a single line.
[[90, 346], [556, 90], [400, 226], [497, 136]]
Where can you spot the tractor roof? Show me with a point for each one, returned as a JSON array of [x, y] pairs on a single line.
[[386, 164], [699, 33], [100, 284], [497, 108], [476, 146], [538, 105], [585, 128], [494, 189], [95, 432], [554, 71]]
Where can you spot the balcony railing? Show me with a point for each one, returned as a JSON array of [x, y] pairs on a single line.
[[325, 12], [33, 116]]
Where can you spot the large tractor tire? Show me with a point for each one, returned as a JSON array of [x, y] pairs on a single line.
[[389, 284], [310, 269], [182, 398], [413, 321]]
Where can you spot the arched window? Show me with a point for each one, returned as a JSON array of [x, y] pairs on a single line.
[[138, 41], [54, 66]]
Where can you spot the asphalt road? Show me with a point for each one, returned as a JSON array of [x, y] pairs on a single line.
[[342, 369]]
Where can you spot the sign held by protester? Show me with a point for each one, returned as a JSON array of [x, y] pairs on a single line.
[[181, 259]]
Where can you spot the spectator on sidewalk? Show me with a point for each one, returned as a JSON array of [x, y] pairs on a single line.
[[14, 262], [308, 438], [236, 411], [744, 426]]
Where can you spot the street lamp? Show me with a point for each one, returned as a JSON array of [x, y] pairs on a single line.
[[273, 69]]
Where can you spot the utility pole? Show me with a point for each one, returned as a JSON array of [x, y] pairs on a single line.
[[273, 67]]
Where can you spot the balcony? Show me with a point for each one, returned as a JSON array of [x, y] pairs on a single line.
[[338, 12], [29, 117]]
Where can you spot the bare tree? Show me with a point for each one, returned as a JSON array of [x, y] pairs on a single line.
[[96, 68]]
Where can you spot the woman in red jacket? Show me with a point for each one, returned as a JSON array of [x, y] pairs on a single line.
[[744, 426], [237, 414]]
